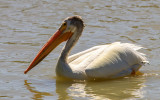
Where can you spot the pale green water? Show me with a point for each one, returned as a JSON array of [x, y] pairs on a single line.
[[25, 25]]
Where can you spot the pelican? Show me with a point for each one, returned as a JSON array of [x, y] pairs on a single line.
[[107, 61]]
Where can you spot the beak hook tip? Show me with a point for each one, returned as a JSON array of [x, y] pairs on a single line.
[[25, 72]]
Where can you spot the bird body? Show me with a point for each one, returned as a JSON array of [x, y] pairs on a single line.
[[103, 62], [100, 62]]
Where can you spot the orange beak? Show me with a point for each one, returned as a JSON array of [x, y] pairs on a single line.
[[52, 43]]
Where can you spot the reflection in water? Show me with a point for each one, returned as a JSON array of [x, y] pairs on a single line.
[[118, 89], [61, 89], [36, 94], [111, 89]]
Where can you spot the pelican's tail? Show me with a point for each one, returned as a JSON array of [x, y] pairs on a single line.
[[135, 48]]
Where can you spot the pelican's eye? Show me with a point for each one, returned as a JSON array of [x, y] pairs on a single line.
[[63, 26]]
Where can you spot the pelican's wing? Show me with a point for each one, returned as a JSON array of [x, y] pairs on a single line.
[[116, 60], [81, 55]]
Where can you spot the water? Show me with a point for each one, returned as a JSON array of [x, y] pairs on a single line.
[[25, 25]]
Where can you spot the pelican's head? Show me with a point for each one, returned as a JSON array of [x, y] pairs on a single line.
[[72, 26]]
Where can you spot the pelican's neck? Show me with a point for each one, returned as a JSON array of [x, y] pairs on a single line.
[[68, 47], [63, 69]]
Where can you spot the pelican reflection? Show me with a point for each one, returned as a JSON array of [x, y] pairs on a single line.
[[124, 88], [112, 89], [37, 95]]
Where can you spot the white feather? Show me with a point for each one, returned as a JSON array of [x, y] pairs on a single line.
[[107, 61]]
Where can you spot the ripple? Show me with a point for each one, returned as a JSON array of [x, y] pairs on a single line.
[[128, 39], [13, 43], [21, 61]]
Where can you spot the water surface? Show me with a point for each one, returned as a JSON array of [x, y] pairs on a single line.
[[25, 26]]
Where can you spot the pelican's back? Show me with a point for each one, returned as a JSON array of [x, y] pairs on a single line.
[[117, 60]]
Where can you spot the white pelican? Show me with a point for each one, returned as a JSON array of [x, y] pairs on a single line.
[[100, 62]]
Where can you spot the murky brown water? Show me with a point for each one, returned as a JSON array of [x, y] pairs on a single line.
[[25, 25]]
